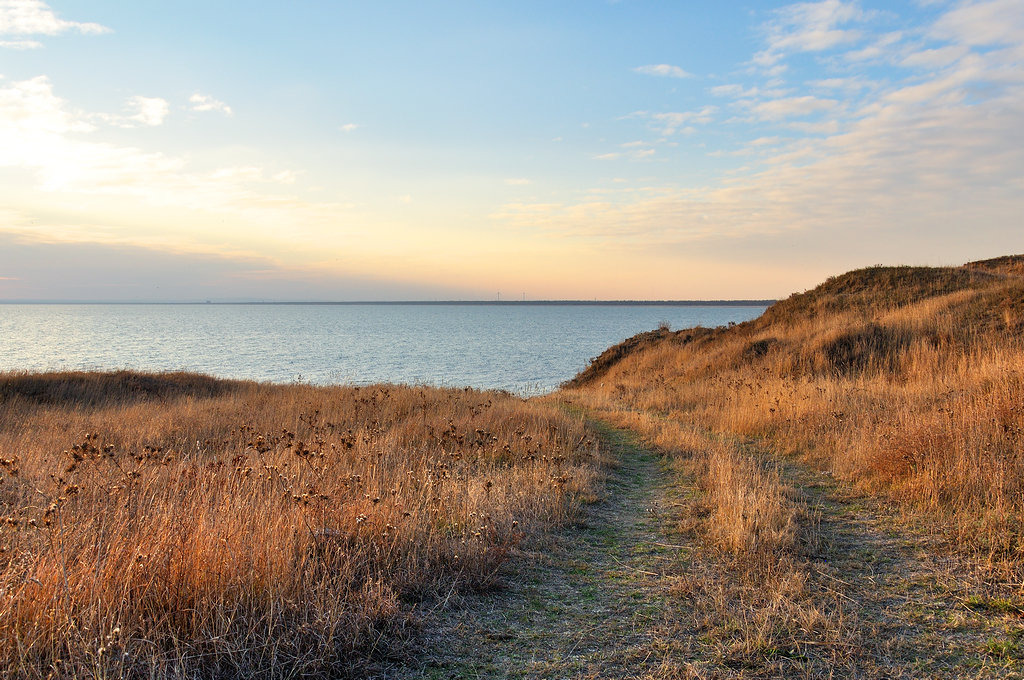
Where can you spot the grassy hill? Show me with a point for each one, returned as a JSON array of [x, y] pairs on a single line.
[[851, 469], [908, 380]]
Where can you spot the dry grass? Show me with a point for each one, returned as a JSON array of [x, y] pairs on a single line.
[[748, 580], [175, 525], [908, 381]]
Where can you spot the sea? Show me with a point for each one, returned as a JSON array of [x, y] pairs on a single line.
[[526, 349]]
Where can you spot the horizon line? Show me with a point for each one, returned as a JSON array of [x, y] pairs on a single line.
[[511, 303]]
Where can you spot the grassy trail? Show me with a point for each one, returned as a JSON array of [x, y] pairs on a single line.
[[592, 602], [627, 593], [912, 607], [866, 592]]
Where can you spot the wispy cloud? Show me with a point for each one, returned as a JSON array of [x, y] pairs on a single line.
[[48, 268], [810, 27], [41, 134], [853, 84], [204, 102], [349, 127], [631, 153], [673, 122], [138, 111], [934, 58], [793, 107], [21, 44], [730, 90], [149, 110], [911, 159], [996, 22], [666, 70], [34, 17], [879, 48]]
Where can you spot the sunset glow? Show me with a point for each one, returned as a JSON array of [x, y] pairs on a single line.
[[578, 150]]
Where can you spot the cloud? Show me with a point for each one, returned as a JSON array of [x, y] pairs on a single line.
[[632, 153], [731, 90], [663, 70], [518, 181], [793, 107], [927, 164], [252, 175], [934, 58], [285, 177], [348, 127], [21, 44], [34, 17], [672, 122], [735, 91], [241, 174], [29, 107], [880, 47], [810, 27], [149, 110], [64, 169], [849, 84], [51, 269], [997, 22], [204, 102]]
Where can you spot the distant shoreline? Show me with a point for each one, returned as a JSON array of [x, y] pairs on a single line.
[[478, 303]]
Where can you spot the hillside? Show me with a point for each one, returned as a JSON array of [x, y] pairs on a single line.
[[907, 378], [853, 472], [884, 311]]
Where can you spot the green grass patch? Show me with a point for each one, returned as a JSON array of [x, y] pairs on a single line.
[[992, 605]]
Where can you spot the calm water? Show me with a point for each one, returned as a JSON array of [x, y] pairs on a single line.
[[523, 349]]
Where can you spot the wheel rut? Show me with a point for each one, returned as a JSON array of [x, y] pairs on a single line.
[[626, 592], [587, 603], [915, 607]]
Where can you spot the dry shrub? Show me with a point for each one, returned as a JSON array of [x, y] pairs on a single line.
[[758, 348], [870, 348], [254, 530]]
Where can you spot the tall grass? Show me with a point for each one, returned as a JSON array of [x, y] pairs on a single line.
[[748, 580], [176, 525], [917, 392]]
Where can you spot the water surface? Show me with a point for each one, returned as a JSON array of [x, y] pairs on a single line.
[[521, 348]]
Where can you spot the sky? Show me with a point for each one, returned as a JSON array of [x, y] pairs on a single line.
[[580, 149]]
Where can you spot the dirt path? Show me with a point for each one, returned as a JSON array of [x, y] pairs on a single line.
[[587, 604], [624, 595], [869, 592], [914, 609]]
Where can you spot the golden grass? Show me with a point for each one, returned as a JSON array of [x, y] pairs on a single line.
[[748, 579], [917, 392], [179, 525]]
